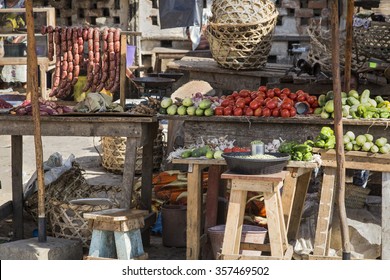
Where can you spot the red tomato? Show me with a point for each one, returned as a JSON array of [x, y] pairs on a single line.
[[230, 97], [286, 91], [257, 112], [293, 112], [259, 100], [237, 111], [254, 104], [315, 104], [301, 98], [244, 93], [266, 112], [235, 94], [286, 105], [272, 104], [288, 100], [292, 96], [254, 94], [266, 100], [248, 112], [262, 94], [277, 91], [218, 111], [225, 103], [298, 92], [311, 110], [228, 111], [262, 88], [285, 113], [227, 150], [275, 112], [248, 100], [270, 93], [283, 96], [240, 103], [310, 99], [236, 149]]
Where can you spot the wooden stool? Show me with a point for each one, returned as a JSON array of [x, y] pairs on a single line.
[[270, 186], [116, 234]]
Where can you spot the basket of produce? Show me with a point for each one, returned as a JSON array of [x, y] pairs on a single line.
[[240, 32], [246, 163], [114, 149]]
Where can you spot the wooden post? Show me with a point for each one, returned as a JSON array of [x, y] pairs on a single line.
[[32, 90], [348, 46], [338, 127]]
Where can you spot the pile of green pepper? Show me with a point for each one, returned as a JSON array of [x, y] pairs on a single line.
[[326, 138], [300, 152]]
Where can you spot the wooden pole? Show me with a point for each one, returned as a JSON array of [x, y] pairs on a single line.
[[348, 46], [32, 90], [338, 127]]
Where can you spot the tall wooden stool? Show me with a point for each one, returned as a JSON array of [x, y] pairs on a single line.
[[116, 234], [270, 186]]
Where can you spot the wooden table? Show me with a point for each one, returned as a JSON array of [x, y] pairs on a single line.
[[140, 131], [353, 160], [294, 194]]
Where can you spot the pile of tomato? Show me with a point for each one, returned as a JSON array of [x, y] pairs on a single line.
[[237, 149], [265, 102]]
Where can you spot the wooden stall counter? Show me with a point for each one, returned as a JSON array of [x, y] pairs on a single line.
[[139, 131], [294, 193]]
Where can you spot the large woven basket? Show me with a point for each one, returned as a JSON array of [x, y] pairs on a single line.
[[114, 149], [67, 220], [374, 41], [240, 32], [321, 49]]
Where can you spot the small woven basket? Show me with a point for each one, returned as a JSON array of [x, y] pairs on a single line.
[[374, 41], [67, 220], [240, 32], [355, 196], [114, 149]]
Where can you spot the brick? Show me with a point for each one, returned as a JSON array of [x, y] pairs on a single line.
[[291, 4], [282, 12], [304, 13], [317, 4]]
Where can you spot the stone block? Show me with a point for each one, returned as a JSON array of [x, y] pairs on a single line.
[[279, 48], [317, 4], [291, 4], [288, 27], [304, 13], [52, 249]]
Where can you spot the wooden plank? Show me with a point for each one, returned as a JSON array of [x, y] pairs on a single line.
[[150, 133], [253, 186], [234, 222], [128, 172], [122, 226], [289, 190], [302, 186], [17, 186], [194, 213], [275, 177], [274, 226], [115, 215], [386, 216], [325, 211]]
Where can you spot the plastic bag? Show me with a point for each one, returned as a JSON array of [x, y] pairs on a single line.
[[53, 168], [180, 13]]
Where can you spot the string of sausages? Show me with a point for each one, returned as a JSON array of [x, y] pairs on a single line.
[[102, 64]]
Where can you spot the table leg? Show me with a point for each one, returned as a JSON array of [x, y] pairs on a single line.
[[17, 185], [325, 212], [302, 185], [289, 191], [194, 200], [128, 172], [386, 216]]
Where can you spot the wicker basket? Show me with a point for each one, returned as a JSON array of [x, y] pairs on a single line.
[[114, 149], [321, 49], [374, 41], [67, 220], [240, 33], [355, 196]]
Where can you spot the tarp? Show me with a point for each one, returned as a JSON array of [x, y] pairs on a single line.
[[180, 13]]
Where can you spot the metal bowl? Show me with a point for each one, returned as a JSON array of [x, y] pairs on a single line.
[[237, 164]]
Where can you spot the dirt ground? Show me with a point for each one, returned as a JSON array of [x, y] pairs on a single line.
[[87, 153]]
